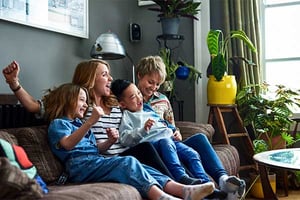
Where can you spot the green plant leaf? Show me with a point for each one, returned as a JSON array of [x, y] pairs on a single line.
[[218, 66], [213, 42], [242, 36]]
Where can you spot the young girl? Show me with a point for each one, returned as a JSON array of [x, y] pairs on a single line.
[[75, 145]]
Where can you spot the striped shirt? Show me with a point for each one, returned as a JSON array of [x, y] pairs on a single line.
[[112, 120]]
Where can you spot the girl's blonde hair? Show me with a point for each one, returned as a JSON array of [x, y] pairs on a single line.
[[151, 64], [61, 100], [85, 76]]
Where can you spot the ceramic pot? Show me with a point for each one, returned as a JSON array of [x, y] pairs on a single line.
[[221, 92], [182, 72], [257, 190], [170, 26]]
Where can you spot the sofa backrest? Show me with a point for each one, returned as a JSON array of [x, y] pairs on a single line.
[[35, 143]]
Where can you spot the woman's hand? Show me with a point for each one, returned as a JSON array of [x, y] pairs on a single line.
[[11, 74]]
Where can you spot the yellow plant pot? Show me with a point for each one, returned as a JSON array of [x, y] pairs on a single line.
[[221, 92], [257, 191]]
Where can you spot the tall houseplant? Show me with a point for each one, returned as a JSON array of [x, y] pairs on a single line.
[[170, 11], [222, 87]]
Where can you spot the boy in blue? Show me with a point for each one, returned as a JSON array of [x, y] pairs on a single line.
[[140, 123], [75, 145]]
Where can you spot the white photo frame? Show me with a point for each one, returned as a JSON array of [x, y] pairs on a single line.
[[145, 2], [67, 17]]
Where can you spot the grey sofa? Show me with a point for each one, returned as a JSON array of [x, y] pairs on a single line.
[[34, 141]]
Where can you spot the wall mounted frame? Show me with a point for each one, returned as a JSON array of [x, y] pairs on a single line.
[[63, 16]]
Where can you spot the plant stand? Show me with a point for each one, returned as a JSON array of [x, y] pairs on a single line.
[[236, 135]]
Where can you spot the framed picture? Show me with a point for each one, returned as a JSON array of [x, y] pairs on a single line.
[[63, 16], [145, 2]]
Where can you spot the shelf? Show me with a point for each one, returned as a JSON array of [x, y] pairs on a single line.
[[170, 37], [167, 37]]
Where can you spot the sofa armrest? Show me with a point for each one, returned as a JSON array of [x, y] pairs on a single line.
[[188, 128]]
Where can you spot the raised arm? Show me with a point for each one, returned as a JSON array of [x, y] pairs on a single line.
[[11, 73]]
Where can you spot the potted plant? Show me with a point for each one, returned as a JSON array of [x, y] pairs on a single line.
[[180, 70], [219, 77], [266, 111], [171, 10]]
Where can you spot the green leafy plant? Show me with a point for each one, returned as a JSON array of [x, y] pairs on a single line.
[[171, 67], [176, 8], [217, 45], [268, 110]]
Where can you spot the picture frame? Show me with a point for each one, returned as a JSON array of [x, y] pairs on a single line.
[[67, 17], [145, 2]]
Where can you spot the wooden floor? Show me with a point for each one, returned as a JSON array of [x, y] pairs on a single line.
[[293, 195]]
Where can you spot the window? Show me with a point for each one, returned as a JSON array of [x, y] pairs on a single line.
[[281, 42]]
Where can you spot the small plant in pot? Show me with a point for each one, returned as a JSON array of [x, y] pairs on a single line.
[[180, 70], [172, 10], [218, 71]]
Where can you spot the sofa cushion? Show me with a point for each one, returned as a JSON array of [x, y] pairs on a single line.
[[229, 157], [34, 141], [8, 137], [101, 191], [15, 184], [187, 129]]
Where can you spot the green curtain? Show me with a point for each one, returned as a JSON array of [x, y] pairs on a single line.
[[244, 15]]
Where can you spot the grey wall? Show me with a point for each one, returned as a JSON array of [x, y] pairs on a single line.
[[48, 58]]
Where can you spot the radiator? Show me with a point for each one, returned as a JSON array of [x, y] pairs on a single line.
[[15, 115]]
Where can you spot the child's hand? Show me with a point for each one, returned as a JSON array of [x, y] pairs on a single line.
[[97, 112], [112, 134], [177, 135], [149, 123]]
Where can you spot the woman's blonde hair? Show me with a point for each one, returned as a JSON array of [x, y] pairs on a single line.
[[85, 76], [151, 64], [61, 100]]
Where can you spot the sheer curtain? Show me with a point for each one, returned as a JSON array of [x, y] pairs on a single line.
[[244, 15]]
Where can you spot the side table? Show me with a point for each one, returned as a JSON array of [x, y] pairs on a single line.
[[287, 159]]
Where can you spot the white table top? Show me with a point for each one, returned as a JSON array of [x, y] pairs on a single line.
[[281, 158]]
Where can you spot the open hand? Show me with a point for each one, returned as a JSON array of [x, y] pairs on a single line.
[[148, 124]]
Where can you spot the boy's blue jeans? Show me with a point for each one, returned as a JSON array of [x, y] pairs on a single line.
[[209, 158]]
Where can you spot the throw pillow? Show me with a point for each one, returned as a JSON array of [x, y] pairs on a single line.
[[15, 184], [18, 158]]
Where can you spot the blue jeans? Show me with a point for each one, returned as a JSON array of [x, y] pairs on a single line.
[[126, 169], [209, 158], [168, 152], [191, 160]]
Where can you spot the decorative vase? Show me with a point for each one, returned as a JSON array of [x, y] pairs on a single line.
[[257, 190], [170, 26], [182, 72], [221, 92]]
